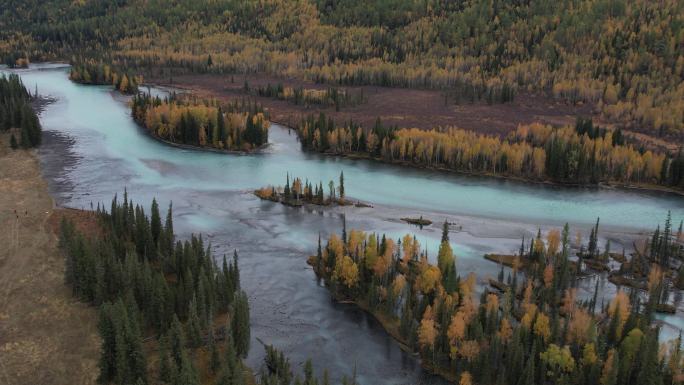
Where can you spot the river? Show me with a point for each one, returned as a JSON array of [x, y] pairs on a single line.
[[92, 149]]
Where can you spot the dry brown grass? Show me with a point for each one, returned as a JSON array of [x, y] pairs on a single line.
[[46, 336]]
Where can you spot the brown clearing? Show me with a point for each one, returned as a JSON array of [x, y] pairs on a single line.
[[46, 335], [395, 106]]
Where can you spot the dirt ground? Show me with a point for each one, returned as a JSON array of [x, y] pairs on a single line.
[[395, 106], [46, 336]]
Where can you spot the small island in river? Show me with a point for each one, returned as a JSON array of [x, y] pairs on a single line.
[[299, 192]]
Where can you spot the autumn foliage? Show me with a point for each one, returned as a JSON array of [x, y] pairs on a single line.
[[202, 123], [503, 334], [538, 152]]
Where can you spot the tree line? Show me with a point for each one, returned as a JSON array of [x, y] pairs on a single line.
[[90, 72], [533, 328], [17, 114], [162, 301], [240, 125], [582, 154]]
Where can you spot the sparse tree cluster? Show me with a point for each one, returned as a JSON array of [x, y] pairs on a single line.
[[298, 192], [329, 97]]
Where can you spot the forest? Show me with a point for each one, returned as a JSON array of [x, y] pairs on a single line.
[[163, 303], [583, 154], [240, 126], [623, 57], [168, 313], [531, 328], [102, 74], [17, 114]]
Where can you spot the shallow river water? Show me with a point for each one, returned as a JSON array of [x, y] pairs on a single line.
[[92, 149]]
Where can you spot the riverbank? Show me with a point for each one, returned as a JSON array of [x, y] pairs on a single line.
[[605, 185], [256, 151], [48, 337]]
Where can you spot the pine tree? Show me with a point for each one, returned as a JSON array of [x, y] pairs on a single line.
[[194, 331], [187, 374], [215, 359], [136, 356], [176, 341], [155, 222], [108, 334], [166, 367], [169, 236], [25, 138], [240, 324], [445, 231], [650, 370]]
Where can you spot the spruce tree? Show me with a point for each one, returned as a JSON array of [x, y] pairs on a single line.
[[194, 331], [169, 237], [240, 324], [176, 341], [155, 222]]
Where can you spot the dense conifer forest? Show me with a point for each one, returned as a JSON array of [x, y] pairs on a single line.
[[625, 57], [530, 328], [168, 313], [17, 114], [166, 306]]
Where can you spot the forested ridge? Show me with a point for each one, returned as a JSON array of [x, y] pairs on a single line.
[[623, 56], [583, 154], [531, 328]]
